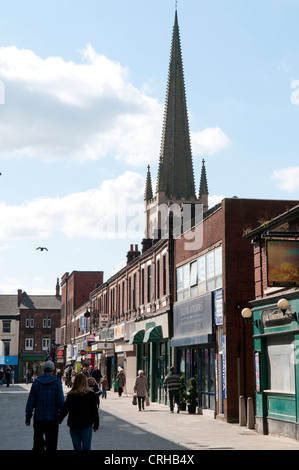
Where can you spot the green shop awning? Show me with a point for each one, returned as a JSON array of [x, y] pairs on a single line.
[[153, 335], [137, 337]]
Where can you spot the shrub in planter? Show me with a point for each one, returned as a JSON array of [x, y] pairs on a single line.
[[183, 393], [192, 398]]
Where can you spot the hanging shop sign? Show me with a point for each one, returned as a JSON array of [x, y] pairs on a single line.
[[283, 263]]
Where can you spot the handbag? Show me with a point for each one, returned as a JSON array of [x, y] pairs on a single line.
[[134, 400], [147, 401]]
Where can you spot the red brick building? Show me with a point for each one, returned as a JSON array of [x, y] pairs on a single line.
[[213, 283], [75, 290], [39, 324]]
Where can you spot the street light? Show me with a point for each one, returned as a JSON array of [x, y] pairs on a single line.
[[283, 305], [247, 315]]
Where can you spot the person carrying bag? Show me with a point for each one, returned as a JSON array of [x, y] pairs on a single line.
[[140, 388]]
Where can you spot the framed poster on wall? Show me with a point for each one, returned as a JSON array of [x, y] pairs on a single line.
[[283, 263]]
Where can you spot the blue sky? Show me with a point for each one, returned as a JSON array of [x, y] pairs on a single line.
[[82, 95]]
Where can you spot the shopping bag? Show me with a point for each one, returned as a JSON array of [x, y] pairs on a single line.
[[134, 400], [116, 385], [147, 401]]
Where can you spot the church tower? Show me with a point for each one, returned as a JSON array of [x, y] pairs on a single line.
[[175, 182]]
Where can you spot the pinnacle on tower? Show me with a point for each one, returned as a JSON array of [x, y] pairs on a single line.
[[148, 194]]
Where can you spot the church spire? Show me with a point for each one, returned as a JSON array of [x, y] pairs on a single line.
[[175, 174]]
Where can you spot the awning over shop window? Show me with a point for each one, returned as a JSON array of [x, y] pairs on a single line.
[[137, 337], [153, 335]]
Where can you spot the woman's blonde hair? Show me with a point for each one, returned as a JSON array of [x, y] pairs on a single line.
[[80, 384]]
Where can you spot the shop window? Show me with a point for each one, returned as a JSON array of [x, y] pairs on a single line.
[[281, 370]]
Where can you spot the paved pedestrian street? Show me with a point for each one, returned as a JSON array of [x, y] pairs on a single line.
[[124, 428]]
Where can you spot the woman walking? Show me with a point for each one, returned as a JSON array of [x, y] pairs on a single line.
[[140, 388], [81, 406]]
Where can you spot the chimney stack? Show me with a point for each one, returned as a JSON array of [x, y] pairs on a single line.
[[57, 288], [132, 254], [19, 297]]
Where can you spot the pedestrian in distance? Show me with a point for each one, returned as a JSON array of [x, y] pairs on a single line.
[[93, 385], [82, 411], [44, 402], [8, 376], [96, 373], [172, 385], [141, 388], [121, 377], [105, 386]]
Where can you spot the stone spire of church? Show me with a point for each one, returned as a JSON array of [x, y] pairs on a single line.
[[175, 175], [175, 179]]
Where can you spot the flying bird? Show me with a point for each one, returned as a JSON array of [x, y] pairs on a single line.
[[42, 248]]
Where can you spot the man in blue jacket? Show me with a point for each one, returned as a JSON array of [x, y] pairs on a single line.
[[45, 400]]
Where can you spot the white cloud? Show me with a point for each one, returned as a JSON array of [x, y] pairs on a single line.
[[209, 141], [84, 111], [111, 211], [287, 179], [56, 109]]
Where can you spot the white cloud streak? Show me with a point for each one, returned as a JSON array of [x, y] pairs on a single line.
[[112, 211]]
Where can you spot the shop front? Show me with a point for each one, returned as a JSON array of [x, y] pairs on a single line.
[[30, 366], [194, 346], [151, 338], [276, 360]]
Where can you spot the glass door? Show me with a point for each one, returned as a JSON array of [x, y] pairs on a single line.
[[207, 378]]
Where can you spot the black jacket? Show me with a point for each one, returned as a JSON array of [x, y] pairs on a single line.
[[82, 410]]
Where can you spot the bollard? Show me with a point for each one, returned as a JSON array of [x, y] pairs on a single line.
[[242, 411], [250, 413]]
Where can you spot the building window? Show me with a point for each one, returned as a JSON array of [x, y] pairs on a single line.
[[149, 283], [47, 322], [158, 279], [46, 344], [142, 286], [29, 322], [200, 276], [6, 326], [6, 348], [164, 275], [29, 344]]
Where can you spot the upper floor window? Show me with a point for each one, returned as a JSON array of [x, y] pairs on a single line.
[[29, 344], [46, 344], [6, 326], [200, 276], [29, 322], [47, 322]]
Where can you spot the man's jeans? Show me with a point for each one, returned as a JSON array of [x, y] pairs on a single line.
[[174, 397], [81, 438]]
